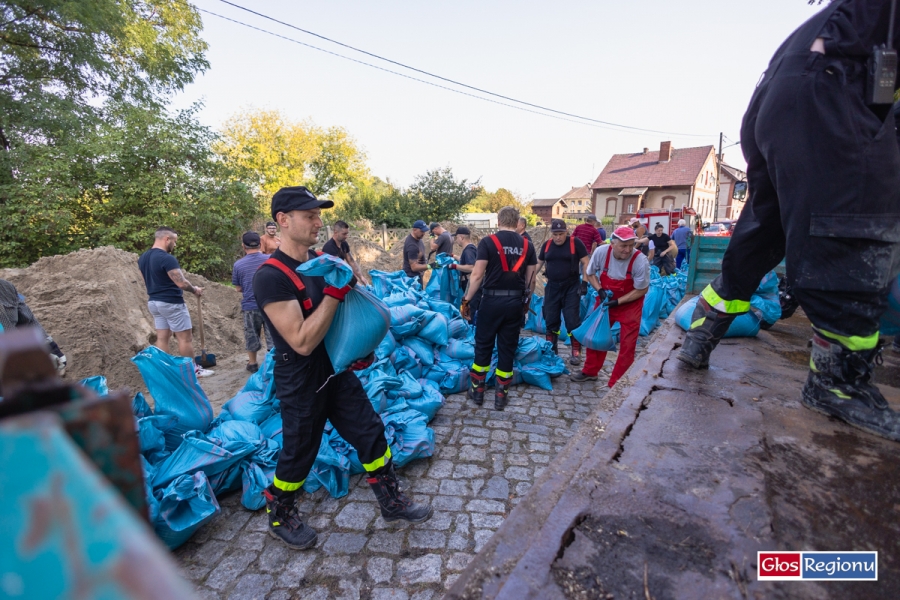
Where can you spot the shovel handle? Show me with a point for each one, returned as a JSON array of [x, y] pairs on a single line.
[[200, 318]]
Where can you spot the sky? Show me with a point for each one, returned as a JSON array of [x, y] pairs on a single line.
[[679, 67]]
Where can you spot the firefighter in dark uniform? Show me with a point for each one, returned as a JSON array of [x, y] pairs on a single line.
[[563, 253], [298, 310], [504, 270], [823, 168], [467, 258]]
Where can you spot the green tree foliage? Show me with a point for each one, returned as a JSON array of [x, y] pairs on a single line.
[[273, 152], [439, 196], [491, 202]]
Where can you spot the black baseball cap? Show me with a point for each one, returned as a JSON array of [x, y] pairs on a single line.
[[271, 224], [433, 225], [558, 225], [250, 239], [462, 231], [296, 198]]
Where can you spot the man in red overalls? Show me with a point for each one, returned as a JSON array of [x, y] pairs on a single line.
[[625, 279]]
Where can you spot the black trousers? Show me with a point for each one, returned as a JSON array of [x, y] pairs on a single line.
[[562, 298], [342, 401], [498, 323], [824, 176]]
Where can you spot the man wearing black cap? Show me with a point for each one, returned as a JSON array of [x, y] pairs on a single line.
[[504, 268], [467, 258], [414, 251], [242, 279], [270, 241], [442, 241], [299, 310], [563, 253]]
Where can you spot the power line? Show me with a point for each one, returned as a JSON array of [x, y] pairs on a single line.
[[429, 74]]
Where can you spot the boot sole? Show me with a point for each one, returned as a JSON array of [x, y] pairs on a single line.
[[582, 380], [295, 546], [419, 520], [815, 408], [692, 362]]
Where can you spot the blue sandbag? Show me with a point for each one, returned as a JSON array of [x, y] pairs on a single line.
[[528, 351], [185, 505], [199, 454], [139, 406], [766, 298], [253, 482], [421, 348], [249, 406], [152, 438], [458, 327], [96, 383], [331, 470], [173, 384], [444, 281], [455, 380], [595, 332], [271, 428], [405, 360], [890, 320], [745, 325], [535, 319], [386, 347], [461, 350], [408, 435], [437, 331], [653, 302], [430, 401], [410, 387], [445, 308], [235, 431], [408, 319], [261, 381], [361, 320], [342, 447], [587, 302]]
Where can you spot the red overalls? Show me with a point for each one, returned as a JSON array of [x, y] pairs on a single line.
[[627, 315]]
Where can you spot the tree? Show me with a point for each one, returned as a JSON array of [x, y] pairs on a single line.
[[58, 58], [439, 196], [492, 202], [272, 152]]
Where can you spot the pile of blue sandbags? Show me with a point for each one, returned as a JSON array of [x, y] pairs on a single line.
[[424, 352], [765, 309], [663, 296]]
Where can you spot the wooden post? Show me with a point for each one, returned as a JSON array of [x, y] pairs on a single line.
[[384, 237]]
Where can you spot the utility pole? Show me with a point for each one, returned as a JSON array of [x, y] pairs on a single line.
[[718, 175]]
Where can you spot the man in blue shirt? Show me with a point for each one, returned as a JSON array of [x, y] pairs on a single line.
[[165, 287], [242, 278], [680, 236]]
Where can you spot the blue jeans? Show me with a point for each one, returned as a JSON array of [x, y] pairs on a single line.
[[682, 256]]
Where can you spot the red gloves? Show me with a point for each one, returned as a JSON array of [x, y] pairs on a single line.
[[363, 363], [452, 266], [338, 293]]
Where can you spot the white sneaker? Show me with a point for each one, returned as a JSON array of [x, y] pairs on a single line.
[[204, 372]]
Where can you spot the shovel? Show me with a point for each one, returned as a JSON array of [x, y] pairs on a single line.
[[204, 360]]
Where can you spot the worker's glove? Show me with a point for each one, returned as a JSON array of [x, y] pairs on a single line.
[[338, 293], [59, 363], [611, 303], [432, 265], [582, 288], [363, 363], [465, 311], [452, 266]]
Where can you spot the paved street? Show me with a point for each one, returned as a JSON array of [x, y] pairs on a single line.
[[485, 461]]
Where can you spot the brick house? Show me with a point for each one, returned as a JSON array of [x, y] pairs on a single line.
[[669, 178], [549, 208], [578, 201]]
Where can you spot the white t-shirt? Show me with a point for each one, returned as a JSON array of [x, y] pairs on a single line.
[[640, 271]]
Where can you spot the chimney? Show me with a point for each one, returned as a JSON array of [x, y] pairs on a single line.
[[646, 150], [665, 152]]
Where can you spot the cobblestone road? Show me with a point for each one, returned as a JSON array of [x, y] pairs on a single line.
[[485, 461]]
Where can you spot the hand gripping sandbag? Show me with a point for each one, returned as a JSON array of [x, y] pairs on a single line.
[[594, 332], [173, 384], [361, 320], [444, 282]]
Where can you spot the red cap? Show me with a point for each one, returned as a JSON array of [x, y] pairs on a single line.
[[625, 234]]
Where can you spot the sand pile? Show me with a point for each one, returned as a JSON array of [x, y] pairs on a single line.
[[94, 304], [372, 256]]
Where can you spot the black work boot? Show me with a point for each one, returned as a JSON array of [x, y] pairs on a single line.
[[285, 523], [395, 505], [501, 393], [840, 385], [553, 338], [707, 327], [475, 393], [576, 351]]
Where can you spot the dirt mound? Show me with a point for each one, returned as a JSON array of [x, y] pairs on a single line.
[[372, 256], [94, 304]]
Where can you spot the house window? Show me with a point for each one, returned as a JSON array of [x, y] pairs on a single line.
[[611, 207], [631, 209]]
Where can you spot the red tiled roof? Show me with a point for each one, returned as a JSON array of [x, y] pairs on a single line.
[[545, 202], [645, 170], [579, 193]]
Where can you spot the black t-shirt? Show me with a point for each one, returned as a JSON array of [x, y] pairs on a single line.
[[494, 276], [527, 237], [468, 257], [272, 285], [444, 244], [413, 252], [561, 267], [857, 26], [331, 248], [660, 243], [155, 265]]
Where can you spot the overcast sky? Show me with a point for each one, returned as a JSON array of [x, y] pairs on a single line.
[[675, 66]]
